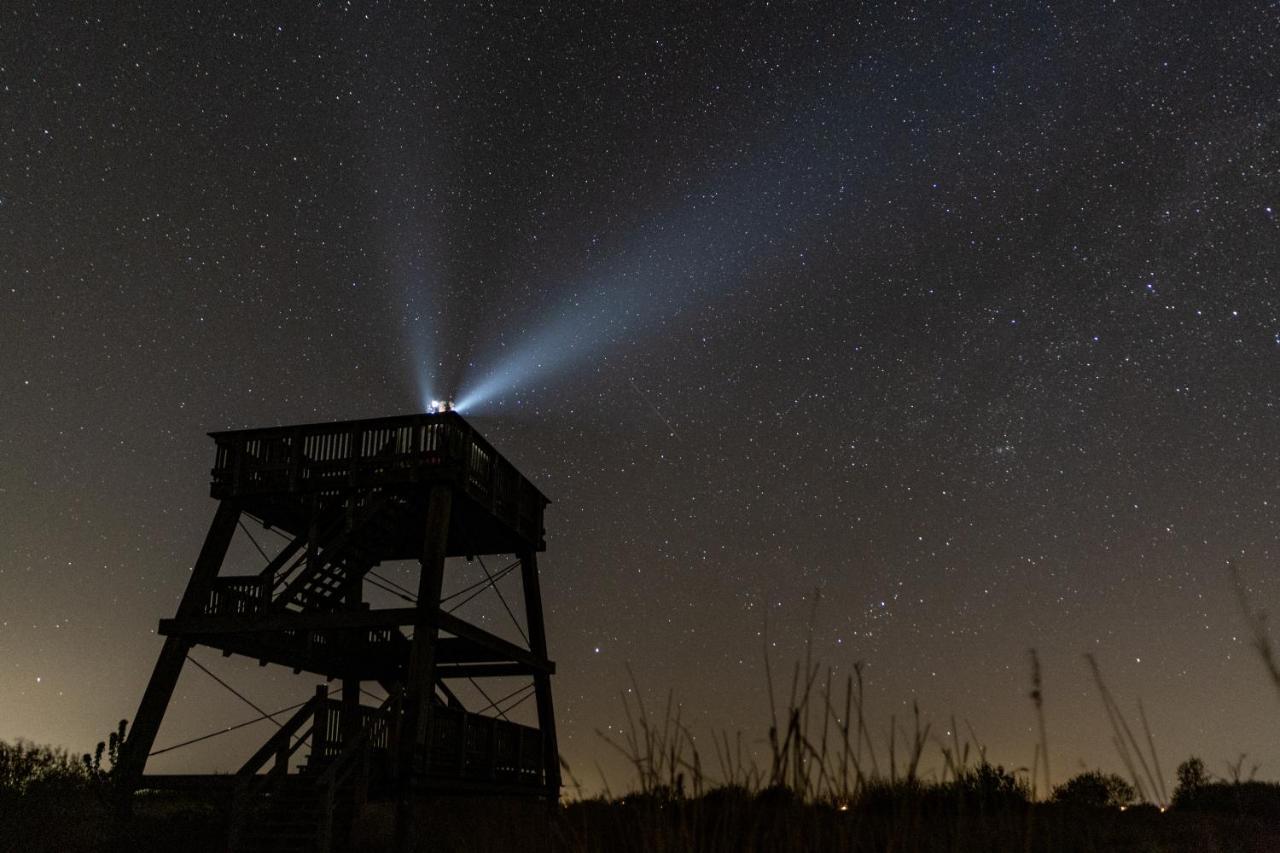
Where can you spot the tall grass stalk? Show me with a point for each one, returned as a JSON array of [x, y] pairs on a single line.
[[1256, 621], [1042, 748], [1127, 745]]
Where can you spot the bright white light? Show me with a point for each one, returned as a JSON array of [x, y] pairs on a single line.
[[439, 407]]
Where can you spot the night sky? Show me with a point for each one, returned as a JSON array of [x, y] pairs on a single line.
[[960, 318]]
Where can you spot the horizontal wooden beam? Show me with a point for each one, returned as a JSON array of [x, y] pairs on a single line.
[[510, 651], [188, 782], [488, 670], [476, 645], [328, 664], [288, 620]]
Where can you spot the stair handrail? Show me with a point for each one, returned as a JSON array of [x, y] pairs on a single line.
[[340, 540], [330, 525], [354, 756], [281, 745]]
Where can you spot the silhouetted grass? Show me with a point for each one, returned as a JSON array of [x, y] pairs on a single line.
[[827, 784]]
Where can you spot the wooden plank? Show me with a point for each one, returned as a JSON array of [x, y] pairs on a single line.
[[455, 658], [289, 620], [487, 670], [188, 782]]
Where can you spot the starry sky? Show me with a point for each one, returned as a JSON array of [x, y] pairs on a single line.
[[930, 333]]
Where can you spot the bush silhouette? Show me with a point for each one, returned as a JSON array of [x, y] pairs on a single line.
[[1192, 777], [983, 788], [27, 769], [991, 785], [1095, 789]]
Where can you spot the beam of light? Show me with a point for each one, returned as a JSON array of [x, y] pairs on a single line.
[[698, 251], [415, 283], [402, 196], [762, 211], [423, 353], [425, 330]]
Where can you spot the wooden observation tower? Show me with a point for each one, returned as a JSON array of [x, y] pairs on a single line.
[[348, 496]]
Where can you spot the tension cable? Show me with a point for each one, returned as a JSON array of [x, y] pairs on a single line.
[[237, 693], [494, 583], [254, 541]]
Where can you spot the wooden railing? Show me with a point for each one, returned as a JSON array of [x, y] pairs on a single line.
[[468, 746], [329, 739], [462, 746], [349, 771], [238, 596], [381, 452]]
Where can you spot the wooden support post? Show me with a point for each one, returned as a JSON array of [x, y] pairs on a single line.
[[541, 678], [352, 641], [313, 533], [462, 745], [421, 673], [420, 677], [492, 765], [146, 723], [351, 710], [320, 729]]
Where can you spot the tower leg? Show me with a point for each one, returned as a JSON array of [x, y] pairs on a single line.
[[541, 680], [420, 679], [146, 723]]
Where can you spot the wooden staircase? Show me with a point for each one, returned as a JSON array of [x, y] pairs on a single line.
[[284, 819], [310, 811], [339, 557]]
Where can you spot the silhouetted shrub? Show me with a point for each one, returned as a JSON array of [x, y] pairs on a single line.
[[1251, 799], [1095, 789], [778, 796], [883, 798], [983, 787], [1191, 777], [27, 769], [727, 796]]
